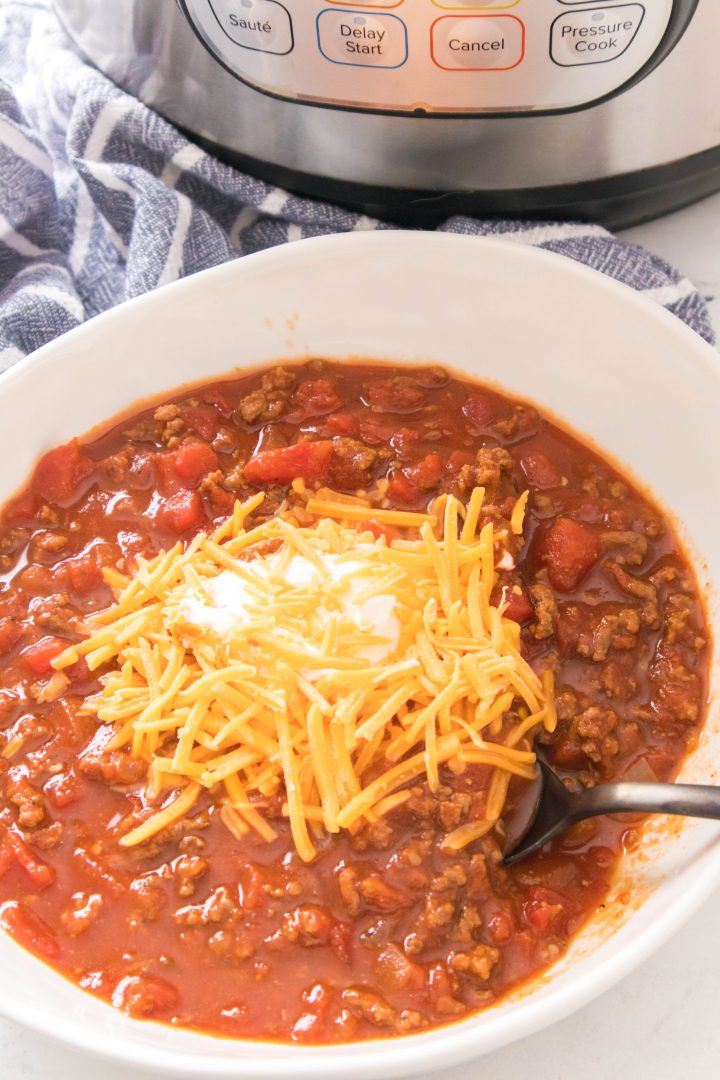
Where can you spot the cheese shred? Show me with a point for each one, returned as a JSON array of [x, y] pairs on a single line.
[[305, 667]]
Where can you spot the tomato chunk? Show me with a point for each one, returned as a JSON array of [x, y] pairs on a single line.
[[11, 630], [38, 657], [540, 471], [186, 466], [62, 790], [519, 607], [479, 409], [180, 512], [194, 460], [14, 849], [202, 419], [569, 550], [28, 929], [316, 397], [303, 460], [82, 572], [60, 471]]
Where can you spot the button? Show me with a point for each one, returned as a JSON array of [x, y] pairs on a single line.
[[362, 40], [261, 25], [477, 42], [594, 35], [473, 5]]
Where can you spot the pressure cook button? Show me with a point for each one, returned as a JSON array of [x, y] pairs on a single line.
[[477, 42], [261, 25], [362, 40], [594, 35]]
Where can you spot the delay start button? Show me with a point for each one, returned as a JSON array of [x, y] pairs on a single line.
[[260, 25], [477, 42], [361, 39], [594, 35]]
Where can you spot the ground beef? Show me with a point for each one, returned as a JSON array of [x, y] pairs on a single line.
[[477, 962], [546, 610], [29, 802], [112, 767], [351, 464]]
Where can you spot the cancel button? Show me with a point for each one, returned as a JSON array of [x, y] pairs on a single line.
[[478, 42]]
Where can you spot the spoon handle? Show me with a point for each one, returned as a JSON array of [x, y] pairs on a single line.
[[690, 800]]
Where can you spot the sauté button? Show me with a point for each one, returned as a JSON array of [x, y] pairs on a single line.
[[261, 25], [477, 42], [594, 35], [362, 40]]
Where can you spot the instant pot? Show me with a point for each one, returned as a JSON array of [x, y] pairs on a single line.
[[417, 109]]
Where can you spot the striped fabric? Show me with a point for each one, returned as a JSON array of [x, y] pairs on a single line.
[[101, 199]]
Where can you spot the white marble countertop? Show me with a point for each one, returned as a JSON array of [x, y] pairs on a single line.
[[659, 1024]]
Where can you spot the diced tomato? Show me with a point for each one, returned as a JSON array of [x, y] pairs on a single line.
[[79, 671], [58, 474], [62, 789], [28, 929], [519, 607], [316, 1001], [500, 927], [315, 398], [303, 460], [480, 409], [82, 572], [186, 466], [180, 512], [11, 630], [543, 907], [378, 530], [428, 473], [38, 657], [14, 847], [396, 972], [569, 550], [567, 753], [24, 508], [400, 486], [457, 460], [399, 394], [253, 888], [218, 400], [202, 419], [375, 432], [342, 424], [540, 471], [144, 995], [194, 460]]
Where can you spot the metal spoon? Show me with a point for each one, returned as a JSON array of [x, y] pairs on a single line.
[[548, 808]]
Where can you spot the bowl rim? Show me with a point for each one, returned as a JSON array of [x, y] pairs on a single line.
[[454, 1043]]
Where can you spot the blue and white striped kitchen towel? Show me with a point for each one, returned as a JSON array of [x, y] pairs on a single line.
[[101, 199]]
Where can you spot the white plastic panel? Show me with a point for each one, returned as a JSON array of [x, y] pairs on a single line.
[[454, 56]]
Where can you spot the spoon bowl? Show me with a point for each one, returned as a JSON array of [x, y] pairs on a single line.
[[548, 808]]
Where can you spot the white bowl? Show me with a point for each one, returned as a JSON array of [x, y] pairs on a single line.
[[616, 367]]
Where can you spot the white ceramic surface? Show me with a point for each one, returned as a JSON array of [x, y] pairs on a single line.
[[615, 366]]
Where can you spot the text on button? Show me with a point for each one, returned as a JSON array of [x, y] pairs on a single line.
[[594, 35], [361, 39], [477, 42]]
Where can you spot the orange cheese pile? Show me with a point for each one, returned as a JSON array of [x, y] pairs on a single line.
[[318, 662]]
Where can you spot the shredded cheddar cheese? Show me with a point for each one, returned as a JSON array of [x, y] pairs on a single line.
[[306, 661]]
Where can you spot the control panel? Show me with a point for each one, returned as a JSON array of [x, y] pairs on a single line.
[[433, 56]]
